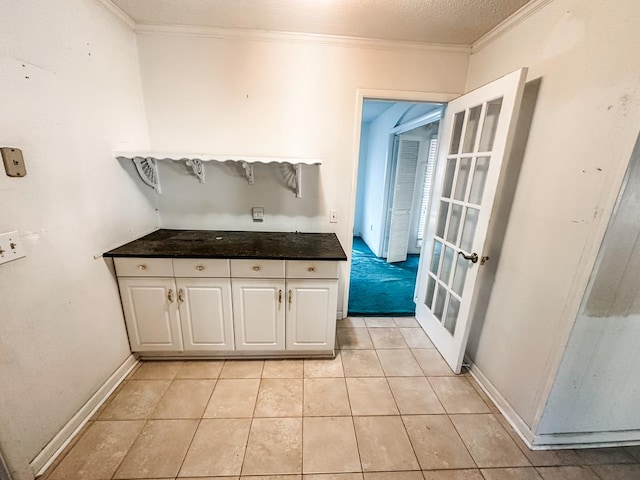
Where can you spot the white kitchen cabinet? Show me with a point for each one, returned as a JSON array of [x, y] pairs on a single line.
[[259, 314], [175, 314], [151, 313], [229, 307], [205, 314], [311, 314]]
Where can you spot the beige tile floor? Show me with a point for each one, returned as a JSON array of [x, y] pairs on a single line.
[[387, 407]]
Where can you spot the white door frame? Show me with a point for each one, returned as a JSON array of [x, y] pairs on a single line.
[[374, 94]]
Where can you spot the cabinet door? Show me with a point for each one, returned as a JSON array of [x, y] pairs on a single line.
[[258, 311], [205, 313], [151, 312], [311, 314]]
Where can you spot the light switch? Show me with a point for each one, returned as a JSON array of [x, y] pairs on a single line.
[[13, 162], [10, 247]]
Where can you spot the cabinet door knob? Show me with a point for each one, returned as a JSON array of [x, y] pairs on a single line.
[[312, 269], [256, 268], [170, 295], [290, 299], [181, 295], [280, 296], [142, 267], [200, 268]]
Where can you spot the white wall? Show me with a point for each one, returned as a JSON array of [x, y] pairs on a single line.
[[271, 98], [70, 95], [582, 134], [358, 223]]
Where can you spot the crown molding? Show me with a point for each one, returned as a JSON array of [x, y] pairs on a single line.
[[517, 18], [300, 38], [117, 12]]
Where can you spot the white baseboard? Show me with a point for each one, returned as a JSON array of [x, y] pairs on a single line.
[[519, 425], [51, 451], [551, 441], [554, 441]]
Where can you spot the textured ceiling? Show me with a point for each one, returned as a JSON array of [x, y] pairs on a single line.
[[435, 21]]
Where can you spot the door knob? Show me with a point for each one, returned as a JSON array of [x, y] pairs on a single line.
[[473, 257]]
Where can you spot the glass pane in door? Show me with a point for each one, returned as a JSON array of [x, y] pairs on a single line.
[[463, 178], [431, 288], [442, 219], [490, 125], [435, 257], [438, 308], [454, 223], [447, 185], [472, 129], [458, 122], [469, 229], [479, 179], [452, 314], [460, 275], [447, 264]]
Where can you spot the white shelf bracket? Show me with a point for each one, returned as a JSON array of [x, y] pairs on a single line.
[[198, 168], [147, 168], [248, 171], [298, 168]]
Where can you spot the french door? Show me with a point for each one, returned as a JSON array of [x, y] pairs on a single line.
[[477, 130]]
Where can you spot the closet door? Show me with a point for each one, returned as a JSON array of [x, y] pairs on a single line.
[[407, 164]]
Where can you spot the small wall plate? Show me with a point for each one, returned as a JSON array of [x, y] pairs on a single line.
[[13, 162]]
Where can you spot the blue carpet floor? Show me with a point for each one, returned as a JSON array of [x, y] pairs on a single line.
[[379, 288]]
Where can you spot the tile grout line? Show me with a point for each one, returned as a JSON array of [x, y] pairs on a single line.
[[146, 420], [149, 419], [255, 405], [353, 422], [302, 429], [195, 432]]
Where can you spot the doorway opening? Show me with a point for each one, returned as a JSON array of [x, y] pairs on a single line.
[[398, 145]]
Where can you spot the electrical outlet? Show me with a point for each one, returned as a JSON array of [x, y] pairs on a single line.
[[333, 216], [10, 247], [258, 214]]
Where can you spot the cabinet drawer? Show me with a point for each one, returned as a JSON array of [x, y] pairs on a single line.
[[201, 267], [143, 267], [257, 268], [311, 269]]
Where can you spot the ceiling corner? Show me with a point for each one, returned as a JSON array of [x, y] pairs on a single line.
[[117, 12], [509, 23]]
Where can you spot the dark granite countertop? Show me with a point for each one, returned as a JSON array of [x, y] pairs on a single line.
[[224, 244]]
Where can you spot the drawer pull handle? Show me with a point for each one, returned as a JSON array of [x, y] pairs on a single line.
[[170, 295], [200, 268], [181, 296], [312, 269], [142, 267], [256, 268]]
